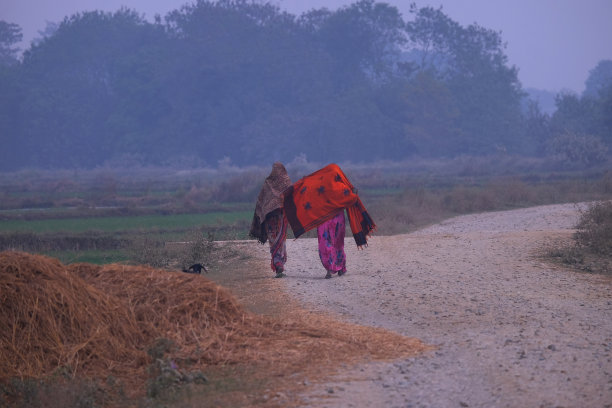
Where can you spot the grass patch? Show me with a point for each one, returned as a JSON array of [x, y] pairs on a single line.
[[399, 202], [595, 228], [131, 223], [591, 247], [580, 259], [98, 257]]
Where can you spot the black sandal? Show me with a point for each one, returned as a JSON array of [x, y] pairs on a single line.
[[328, 276]]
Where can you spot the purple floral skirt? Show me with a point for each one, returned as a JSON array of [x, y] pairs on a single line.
[[276, 227]]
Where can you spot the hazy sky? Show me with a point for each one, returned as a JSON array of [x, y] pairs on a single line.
[[554, 43]]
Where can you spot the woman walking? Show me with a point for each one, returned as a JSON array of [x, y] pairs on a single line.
[[269, 221], [319, 200]]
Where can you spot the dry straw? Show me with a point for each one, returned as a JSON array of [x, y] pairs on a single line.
[[100, 320], [51, 318]]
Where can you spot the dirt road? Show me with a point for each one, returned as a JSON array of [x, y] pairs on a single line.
[[511, 330]]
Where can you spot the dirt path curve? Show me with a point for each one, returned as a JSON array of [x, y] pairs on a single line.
[[511, 330]]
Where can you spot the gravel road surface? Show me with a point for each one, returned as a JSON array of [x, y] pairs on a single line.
[[511, 329]]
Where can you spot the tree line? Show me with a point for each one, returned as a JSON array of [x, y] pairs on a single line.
[[244, 81]]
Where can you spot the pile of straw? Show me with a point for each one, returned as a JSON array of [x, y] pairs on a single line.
[[202, 318], [51, 318], [100, 320]]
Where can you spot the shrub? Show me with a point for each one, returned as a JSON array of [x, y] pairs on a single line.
[[570, 255], [57, 391], [574, 149], [241, 188], [462, 200], [199, 249], [146, 250], [594, 228]]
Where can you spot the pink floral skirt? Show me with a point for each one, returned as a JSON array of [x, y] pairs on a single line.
[[331, 243]]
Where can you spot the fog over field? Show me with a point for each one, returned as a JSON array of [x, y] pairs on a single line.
[[554, 43], [207, 84]]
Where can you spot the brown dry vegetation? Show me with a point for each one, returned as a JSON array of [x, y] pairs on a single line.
[[128, 192], [400, 202], [591, 247], [92, 322]]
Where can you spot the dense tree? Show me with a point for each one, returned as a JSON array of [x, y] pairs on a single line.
[[599, 79], [575, 114], [242, 63], [10, 36], [537, 128], [364, 39], [242, 80], [580, 128], [48, 31], [10, 94], [427, 110], [471, 62], [88, 90], [605, 113], [599, 92]]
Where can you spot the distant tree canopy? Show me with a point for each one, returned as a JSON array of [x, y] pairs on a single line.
[[599, 79], [10, 35], [243, 80], [580, 130]]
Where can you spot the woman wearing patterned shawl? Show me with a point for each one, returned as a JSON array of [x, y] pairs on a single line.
[[319, 200], [269, 221]]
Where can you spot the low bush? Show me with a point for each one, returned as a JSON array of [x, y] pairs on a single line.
[[591, 249], [195, 246], [55, 392], [568, 254], [594, 229], [578, 150]]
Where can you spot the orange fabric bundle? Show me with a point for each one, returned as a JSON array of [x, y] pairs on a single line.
[[319, 196]]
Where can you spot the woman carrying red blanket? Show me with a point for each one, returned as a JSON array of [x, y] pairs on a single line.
[[319, 200]]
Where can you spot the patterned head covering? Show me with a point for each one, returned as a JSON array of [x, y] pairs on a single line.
[[270, 198]]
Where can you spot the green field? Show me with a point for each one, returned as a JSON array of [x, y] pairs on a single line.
[[127, 223], [101, 240], [76, 217]]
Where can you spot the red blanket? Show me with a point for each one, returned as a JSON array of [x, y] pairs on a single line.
[[316, 198]]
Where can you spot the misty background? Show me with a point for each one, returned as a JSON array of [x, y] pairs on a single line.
[[246, 83]]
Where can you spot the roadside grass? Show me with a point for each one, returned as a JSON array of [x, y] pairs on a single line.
[[225, 386], [101, 240], [421, 205], [237, 385], [590, 249], [398, 202], [141, 223], [98, 257], [176, 248]]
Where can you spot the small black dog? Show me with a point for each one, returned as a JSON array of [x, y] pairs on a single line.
[[196, 268]]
